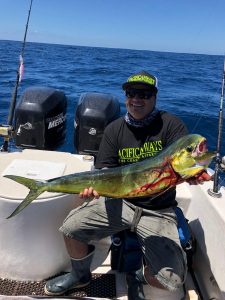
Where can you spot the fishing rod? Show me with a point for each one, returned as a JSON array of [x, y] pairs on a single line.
[[7, 131], [218, 161]]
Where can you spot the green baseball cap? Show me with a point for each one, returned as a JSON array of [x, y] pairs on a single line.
[[142, 78]]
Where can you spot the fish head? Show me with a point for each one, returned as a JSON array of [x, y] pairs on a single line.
[[192, 156]]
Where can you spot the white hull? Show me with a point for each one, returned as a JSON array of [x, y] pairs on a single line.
[[206, 216]]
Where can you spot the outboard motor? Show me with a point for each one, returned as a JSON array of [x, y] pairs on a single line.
[[40, 118], [94, 112]]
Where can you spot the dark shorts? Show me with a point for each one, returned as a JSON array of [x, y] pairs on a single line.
[[156, 231]]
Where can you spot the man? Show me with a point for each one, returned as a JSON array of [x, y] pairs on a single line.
[[142, 133]]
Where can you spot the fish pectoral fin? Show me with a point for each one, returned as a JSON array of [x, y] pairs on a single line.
[[33, 194], [191, 172]]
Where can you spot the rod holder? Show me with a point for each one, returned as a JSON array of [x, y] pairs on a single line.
[[6, 131], [214, 194]]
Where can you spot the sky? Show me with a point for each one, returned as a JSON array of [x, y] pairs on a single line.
[[187, 26]]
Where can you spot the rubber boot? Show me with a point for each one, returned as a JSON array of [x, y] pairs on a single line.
[[80, 276], [135, 282]]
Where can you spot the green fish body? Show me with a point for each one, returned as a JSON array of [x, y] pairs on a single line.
[[185, 158]]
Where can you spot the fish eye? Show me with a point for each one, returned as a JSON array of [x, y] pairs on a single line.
[[189, 149]]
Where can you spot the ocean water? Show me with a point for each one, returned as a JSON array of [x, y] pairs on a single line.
[[189, 84]]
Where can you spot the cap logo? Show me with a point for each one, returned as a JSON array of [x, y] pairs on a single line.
[[142, 78]]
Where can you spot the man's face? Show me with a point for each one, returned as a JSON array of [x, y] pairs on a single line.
[[139, 102]]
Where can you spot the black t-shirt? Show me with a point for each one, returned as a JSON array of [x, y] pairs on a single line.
[[124, 144]]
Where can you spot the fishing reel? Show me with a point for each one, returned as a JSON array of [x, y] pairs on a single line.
[[219, 167], [6, 131], [222, 164]]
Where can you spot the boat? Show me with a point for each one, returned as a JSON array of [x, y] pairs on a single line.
[[33, 250]]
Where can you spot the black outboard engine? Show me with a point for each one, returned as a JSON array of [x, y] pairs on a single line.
[[94, 112], [40, 118]]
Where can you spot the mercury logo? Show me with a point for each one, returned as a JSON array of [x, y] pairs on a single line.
[[92, 131], [57, 120]]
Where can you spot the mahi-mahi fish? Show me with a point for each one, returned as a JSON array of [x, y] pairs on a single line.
[[185, 158]]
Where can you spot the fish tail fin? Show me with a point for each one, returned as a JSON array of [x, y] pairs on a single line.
[[36, 188], [29, 183]]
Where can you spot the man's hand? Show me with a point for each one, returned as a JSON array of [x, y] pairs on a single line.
[[200, 178], [89, 194]]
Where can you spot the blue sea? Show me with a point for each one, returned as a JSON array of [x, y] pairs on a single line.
[[189, 84]]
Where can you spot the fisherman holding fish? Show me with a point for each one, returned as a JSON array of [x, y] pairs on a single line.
[[133, 142], [143, 132]]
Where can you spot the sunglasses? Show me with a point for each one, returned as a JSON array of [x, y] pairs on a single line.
[[141, 94]]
